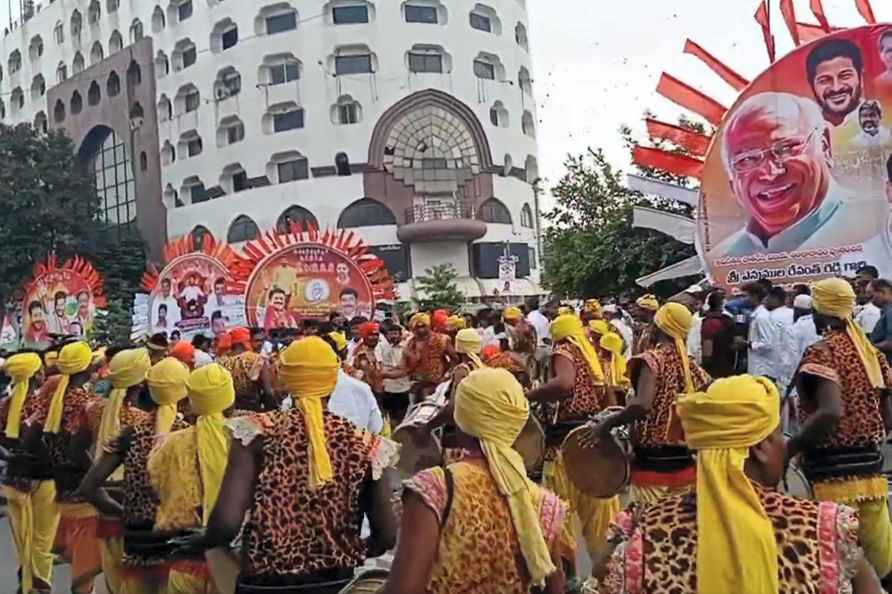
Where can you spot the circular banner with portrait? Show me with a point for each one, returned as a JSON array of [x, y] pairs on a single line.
[[797, 184], [306, 275], [197, 291], [60, 301]]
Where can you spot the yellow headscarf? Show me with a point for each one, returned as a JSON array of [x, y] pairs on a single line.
[[593, 306], [419, 319], [676, 320], [565, 310], [50, 358], [468, 342], [735, 538], [569, 327], [613, 344], [339, 339], [126, 369], [490, 405], [74, 358], [512, 313], [211, 392], [456, 323], [167, 386], [834, 297], [20, 368], [648, 302], [308, 369], [599, 327]]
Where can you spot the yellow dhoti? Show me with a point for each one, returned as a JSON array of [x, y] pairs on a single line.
[[110, 552], [33, 520], [594, 514], [869, 496], [190, 578], [148, 584]]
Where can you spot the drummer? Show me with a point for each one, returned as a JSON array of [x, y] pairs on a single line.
[[644, 311], [579, 391], [843, 384], [609, 345], [480, 525], [428, 356], [663, 464], [735, 532]]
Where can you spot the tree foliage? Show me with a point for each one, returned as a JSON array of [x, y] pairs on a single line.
[[121, 259], [438, 289]]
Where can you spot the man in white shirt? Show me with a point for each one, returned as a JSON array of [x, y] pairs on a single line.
[[869, 315], [615, 316], [537, 320], [804, 332], [389, 353], [353, 399], [762, 341], [784, 352]]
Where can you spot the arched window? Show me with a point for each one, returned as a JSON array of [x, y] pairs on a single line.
[[143, 161], [40, 123], [165, 108], [94, 13], [115, 42], [242, 229], [107, 158], [38, 87], [136, 31], [113, 86], [162, 65], [77, 103], [199, 233], [493, 211], [526, 217], [77, 22], [296, 214], [94, 95], [78, 65], [158, 20], [134, 74], [59, 112], [96, 53], [112, 5], [365, 213], [61, 72]]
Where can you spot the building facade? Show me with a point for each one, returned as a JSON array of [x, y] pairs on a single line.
[[411, 123]]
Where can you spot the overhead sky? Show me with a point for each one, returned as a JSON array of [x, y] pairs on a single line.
[[596, 62]]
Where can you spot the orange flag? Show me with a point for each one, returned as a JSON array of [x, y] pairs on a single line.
[[817, 9], [690, 98], [763, 18], [866, 11], [789, 13], [728, 75]]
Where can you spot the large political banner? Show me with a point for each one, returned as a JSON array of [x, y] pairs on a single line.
[[797, 184]]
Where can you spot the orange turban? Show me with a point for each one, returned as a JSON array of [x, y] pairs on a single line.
[[184, 352], [490, 351], [241, 336], [369, 329], [224, 343], [439, 319]]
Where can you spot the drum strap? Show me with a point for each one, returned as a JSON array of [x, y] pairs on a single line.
[[450, 493]]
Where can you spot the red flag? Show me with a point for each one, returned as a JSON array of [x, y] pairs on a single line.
[[763, 18], [694, 142], [690, 98], [809, 32], [728, 75], [866, 11], [817, 9], [789, 13], [666, 161]]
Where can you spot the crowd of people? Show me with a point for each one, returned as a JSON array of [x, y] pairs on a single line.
[[259, 461]]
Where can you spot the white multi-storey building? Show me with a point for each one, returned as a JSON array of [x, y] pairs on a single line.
[[411, 122]]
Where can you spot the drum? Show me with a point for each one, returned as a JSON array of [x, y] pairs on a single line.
[[368, 582], [599, 470], [795, 484], [530, 445], [420, 448]]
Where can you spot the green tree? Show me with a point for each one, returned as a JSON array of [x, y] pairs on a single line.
[[438, 289], [591, 247], [121, 258], [48, 202]]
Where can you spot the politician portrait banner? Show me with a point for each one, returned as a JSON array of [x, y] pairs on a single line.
[[797, 184]]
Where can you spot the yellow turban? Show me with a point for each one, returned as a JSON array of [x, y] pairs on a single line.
[[735, 539], [127, 368], [50, 358], [599, 327], [569, 327], [512, 313], [419, 319], [211, 392], [167, 386], [308, 369], [593, 306], [613, 344], [339, 339], [20, 368], [490, 405], [456, 323], [834, 297], [676, 320], [468, 342], [565, 311], [74, 358], [648, 302]]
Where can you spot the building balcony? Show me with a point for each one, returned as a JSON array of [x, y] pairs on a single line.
[[443, 221]]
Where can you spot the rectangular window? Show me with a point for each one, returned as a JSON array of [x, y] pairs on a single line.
[[425, 62], [290, 120], [358, 64], [194, 147], [421, 14], [192, 101], [281, 22], [240, 181], [190, 55], [534, 265], [350, 15], [235, 134], [348, 113], [484, 70], [282, 73], [184, 10], [294, 170], [480, 22], [229, 38], [198, 193]]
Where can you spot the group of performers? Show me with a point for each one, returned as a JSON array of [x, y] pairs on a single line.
[[235, 475]]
